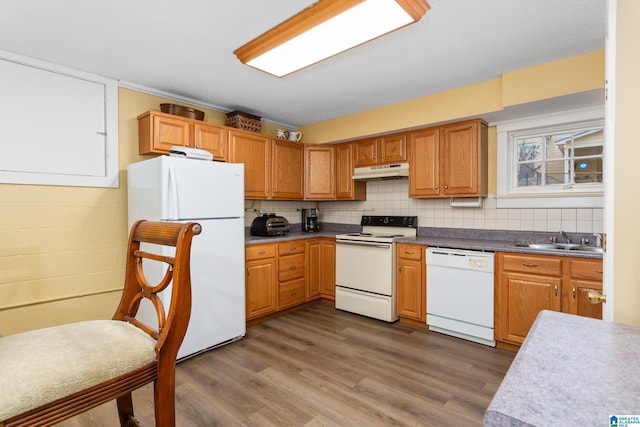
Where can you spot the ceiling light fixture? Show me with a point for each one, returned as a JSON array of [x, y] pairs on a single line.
[[325, 29]]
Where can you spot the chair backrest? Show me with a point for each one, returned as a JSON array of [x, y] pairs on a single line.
[[172, 326]]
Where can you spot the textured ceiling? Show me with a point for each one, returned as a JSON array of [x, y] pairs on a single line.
[[186, 48]]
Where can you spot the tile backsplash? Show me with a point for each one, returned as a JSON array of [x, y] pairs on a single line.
[[390, 198]]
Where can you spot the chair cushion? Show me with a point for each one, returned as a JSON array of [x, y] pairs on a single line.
[[38, 367]]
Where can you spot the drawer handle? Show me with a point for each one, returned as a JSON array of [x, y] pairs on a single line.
[[555, 290], [599, 271], [262, 252], [292, 293], [293, 248], [573, 291], [530, 265], [293, 267], [408, 252]]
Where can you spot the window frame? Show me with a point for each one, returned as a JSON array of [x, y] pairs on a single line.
[[581, 195]]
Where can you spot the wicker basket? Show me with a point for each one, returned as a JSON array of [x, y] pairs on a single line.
[[244, 121]]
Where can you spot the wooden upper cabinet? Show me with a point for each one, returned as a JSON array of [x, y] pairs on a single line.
[[273, 169], [320, 172], [392, 148], [424, 163], [346, 187], [158, 132], [378, 151], [212, 139], [365, 152], [450, 161], [464, 159], [287, 170], [255, 152]]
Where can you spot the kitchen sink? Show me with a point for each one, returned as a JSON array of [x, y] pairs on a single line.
[[559, 247], [540, 245], [586, 248]]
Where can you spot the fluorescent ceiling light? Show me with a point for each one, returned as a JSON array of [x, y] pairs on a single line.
[[325, 29]]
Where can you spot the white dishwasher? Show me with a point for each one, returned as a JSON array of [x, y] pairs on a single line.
[[460, 294]]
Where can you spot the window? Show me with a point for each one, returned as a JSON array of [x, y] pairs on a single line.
[[552, 161]]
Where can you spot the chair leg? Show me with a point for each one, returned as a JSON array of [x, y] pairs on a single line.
[[165, 399], [125, 411]]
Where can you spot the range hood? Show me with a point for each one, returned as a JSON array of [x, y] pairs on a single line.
[[393, 171]]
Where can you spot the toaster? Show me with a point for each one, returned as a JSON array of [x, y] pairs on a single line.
[[269, 225]]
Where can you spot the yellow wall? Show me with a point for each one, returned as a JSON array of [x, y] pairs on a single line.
[[626, 204], [572, 75]]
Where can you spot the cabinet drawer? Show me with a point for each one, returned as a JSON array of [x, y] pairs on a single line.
[[407, 251], [586, 269], [260, 251], [291, 293], [290, 267], [292, 247], [549, 266]]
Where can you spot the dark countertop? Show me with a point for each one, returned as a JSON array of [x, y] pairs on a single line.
[[475, 244], [294, 235], [572, 371], [492, 246]]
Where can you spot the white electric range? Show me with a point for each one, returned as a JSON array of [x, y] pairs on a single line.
[[366, 266]]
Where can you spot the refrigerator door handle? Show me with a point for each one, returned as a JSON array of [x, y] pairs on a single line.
[[173, 193]]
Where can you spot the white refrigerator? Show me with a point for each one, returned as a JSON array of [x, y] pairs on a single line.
[[211, 193]]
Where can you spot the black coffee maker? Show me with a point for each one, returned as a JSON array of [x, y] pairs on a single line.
[[310, 220]]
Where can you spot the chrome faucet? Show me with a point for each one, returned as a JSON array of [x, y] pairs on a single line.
[[565, 236]]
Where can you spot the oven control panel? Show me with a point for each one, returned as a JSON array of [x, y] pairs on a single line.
[[390, 221]]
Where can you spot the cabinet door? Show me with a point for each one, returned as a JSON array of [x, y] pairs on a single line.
[[287, 170], [255, 152], [313, 269], [409, 289], [424, 165], [261, 287], [579, 300], [168, 132], [365, 152], [460, 162], [211, 138], [392, 149], [328, 269], [585, 275], [320, 172], [520, 297], [346, 187]]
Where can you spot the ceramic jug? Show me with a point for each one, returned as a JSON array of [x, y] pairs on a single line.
[[295, 136], [281, 134]]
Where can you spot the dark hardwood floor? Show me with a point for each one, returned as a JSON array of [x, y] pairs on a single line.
[[324, 367]]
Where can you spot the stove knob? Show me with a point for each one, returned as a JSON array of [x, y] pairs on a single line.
[[386, 220]]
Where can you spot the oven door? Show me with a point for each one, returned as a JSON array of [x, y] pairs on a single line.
[[366, 266]]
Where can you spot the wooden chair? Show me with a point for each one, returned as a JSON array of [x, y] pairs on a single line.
[[52, 374]]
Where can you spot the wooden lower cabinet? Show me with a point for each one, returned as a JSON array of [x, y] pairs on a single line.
[[261, 280], [410, 282], [527, 284], [321, 269], [291, 273], [585, 276]]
